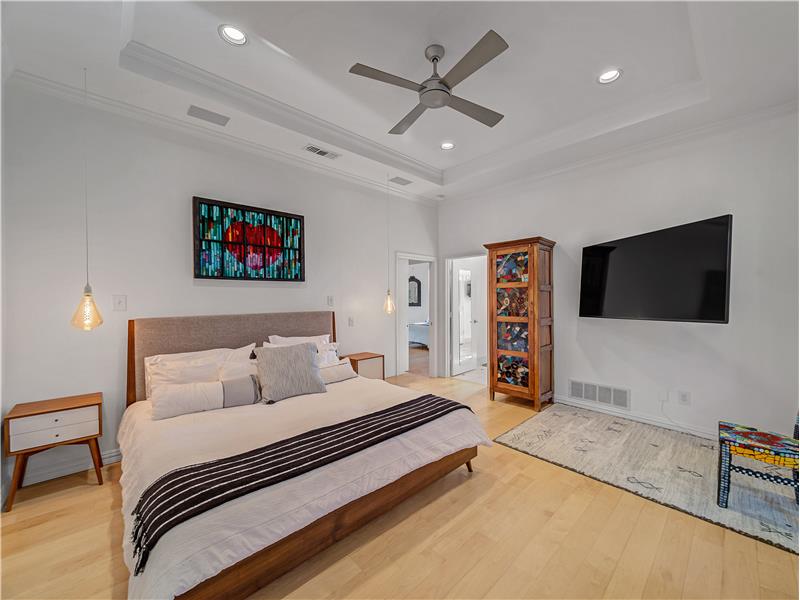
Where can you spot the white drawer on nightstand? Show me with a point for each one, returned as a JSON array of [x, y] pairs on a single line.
[[43, 437], [53, 419]]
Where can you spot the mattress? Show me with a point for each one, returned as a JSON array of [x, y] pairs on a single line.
[[205, 545]]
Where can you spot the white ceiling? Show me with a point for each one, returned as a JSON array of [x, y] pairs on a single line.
[[685, 65]]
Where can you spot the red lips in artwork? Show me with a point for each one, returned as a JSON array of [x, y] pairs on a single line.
[[256, 235]]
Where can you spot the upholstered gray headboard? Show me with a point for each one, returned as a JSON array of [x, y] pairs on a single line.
[[168, 335]]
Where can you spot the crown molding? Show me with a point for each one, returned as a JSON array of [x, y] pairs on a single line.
[[137, 113], [154, 64], [639, 151]]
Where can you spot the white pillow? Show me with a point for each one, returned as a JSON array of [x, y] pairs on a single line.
[[238, 364], [202, 370], [165, 366], [291, 341], [328, 354], [339, 371]]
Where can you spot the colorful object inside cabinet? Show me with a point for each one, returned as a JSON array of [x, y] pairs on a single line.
[[521, 319]]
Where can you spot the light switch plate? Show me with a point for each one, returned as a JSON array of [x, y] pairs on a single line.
[[351, 322], [329, 301], [119, 302]]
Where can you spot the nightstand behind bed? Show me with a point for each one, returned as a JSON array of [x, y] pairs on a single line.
[[368, 364], [32, 427]]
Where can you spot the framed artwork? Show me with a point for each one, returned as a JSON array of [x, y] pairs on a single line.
[[234, 241], [414, 291]]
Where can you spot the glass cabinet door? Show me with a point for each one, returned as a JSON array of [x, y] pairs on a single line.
[[511, 317]]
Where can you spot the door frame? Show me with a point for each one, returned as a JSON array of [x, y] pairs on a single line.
[[433, 309], [448, 299]]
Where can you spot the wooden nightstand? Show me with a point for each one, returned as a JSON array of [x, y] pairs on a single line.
[[33, 427], [368, 364]]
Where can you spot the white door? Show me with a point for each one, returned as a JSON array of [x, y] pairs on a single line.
[[401, 302], [465, 321]]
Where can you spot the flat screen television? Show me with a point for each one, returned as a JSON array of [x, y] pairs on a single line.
[[676, 274]]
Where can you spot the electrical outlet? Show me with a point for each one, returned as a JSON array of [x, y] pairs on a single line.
[[329, 301], [684, 397], [119, 302], [351, 322]]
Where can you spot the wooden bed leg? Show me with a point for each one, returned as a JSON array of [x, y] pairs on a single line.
[[469, 466]]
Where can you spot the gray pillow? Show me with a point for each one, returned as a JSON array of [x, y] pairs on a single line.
[[240, 391], [287, 371]]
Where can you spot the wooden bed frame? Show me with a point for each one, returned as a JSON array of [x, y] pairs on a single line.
[[147, 337]]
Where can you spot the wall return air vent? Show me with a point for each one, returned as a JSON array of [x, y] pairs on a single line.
[[600, 394], [320, 152]]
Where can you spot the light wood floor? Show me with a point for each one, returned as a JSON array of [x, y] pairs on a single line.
[[516, 528], [418, 361]]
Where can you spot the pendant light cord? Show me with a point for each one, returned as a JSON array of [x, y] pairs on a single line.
[[85, 174], [388, 238]]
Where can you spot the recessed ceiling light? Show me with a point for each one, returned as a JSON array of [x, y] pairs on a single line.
[[609, 76], [232, 35], [448, 145]]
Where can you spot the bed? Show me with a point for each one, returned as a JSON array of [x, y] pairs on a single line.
[[240, 546]]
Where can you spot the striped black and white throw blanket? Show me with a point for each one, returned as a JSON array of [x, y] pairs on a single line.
[[189, 491]]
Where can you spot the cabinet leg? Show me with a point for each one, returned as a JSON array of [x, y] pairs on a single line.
[[96, 459], [469, 466], [491, 394], [17, 479]]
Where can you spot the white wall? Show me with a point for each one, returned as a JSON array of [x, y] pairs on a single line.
[[744, 371], [141, 182]]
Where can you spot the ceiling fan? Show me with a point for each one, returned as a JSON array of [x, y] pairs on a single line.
[[436, 91]]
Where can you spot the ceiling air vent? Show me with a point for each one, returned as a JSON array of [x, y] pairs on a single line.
[[320, 152], [400, 180], [207, 115]]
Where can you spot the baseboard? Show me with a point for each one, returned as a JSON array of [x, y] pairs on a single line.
[[54, 469], [636, 416]]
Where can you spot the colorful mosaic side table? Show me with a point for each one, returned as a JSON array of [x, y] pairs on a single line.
[[763, 446]]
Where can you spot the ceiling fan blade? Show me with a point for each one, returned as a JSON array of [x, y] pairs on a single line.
[[487, 48], [377, 74], [476, 111], [409, 119]]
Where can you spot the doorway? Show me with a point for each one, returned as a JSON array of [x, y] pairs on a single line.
[[467, 327], [416, 293]]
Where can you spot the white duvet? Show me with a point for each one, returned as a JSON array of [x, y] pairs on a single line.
[[205, 545]]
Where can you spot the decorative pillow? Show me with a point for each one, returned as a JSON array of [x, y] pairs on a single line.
[[172, 400], [337, 372], [287, 371]]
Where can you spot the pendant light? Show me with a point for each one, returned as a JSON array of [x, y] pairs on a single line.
[[388, 304], [86, 316]]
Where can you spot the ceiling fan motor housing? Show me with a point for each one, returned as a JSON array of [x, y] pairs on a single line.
[[434, 93]]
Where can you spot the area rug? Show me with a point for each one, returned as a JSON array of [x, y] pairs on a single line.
[[672, 468]]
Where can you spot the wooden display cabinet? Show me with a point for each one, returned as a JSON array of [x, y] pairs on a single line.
[[520, 306]]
